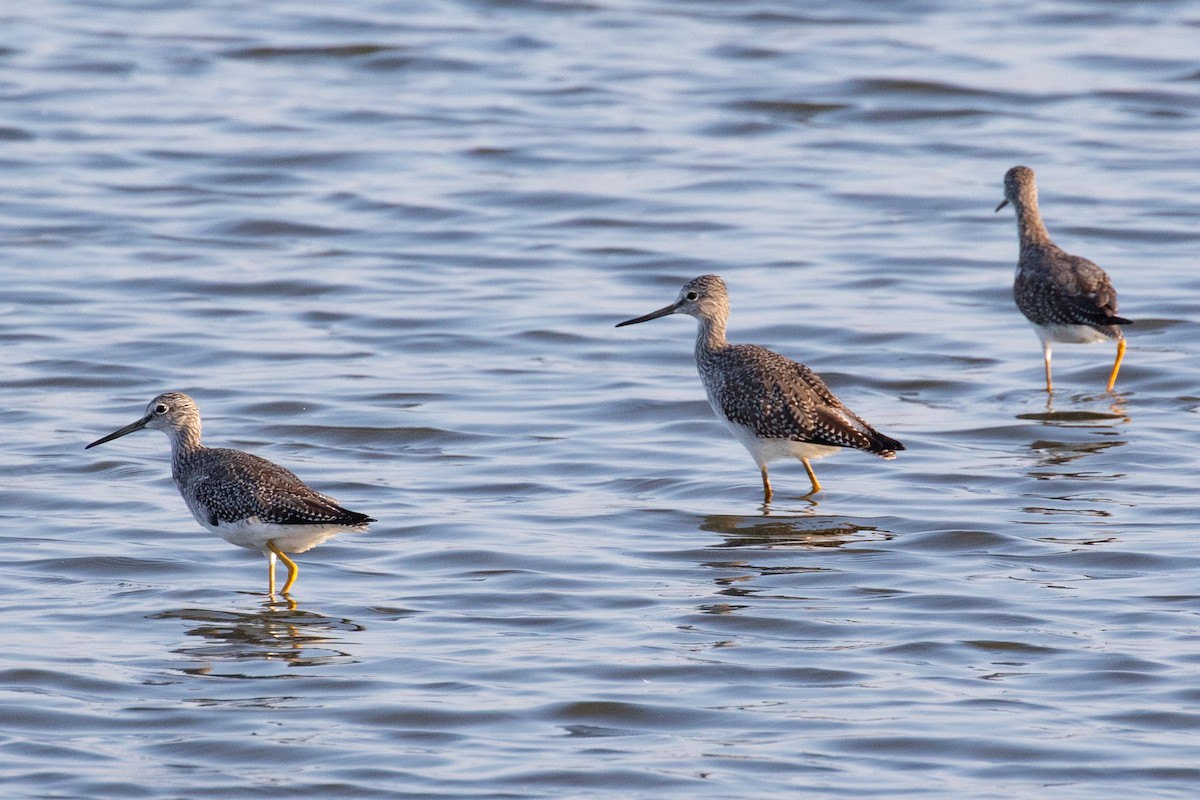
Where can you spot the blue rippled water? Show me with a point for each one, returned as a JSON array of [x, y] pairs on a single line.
[[385, 245]]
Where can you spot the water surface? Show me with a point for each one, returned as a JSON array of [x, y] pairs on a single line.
[[385, 245]]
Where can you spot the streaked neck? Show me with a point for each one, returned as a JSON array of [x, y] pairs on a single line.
[[710, 335], [1030, 227]]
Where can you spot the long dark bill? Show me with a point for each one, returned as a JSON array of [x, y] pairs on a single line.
[[1003, 203], [662, 312], [130, 428]]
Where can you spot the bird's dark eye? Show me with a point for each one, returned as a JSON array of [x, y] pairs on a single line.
[[691, 296], [161, 409]]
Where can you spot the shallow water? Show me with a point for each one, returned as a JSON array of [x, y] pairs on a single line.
[[385, 245]]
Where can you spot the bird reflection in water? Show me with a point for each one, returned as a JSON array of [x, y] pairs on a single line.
[[1104, 428], [784, 531], [279, 633], [1067, 441], [776, 534], [1114, 411]]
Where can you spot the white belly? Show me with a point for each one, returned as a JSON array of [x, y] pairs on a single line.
[[254, 535], [766, 450], [1070, 334]]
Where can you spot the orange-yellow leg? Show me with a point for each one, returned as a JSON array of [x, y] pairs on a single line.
[[293, 570], [1112, 379], [766, 485], [812, 476]]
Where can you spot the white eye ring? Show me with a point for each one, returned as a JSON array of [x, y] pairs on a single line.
[[691, 296], [161, 409]]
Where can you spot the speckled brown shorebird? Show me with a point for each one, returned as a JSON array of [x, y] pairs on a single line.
[[774, 406], [1066, 298], [246, 500]]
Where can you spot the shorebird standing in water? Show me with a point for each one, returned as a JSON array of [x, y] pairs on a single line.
[[774, 406], [246, 500], [1067, 298]]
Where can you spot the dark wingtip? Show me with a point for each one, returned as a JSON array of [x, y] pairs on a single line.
[[887, 446]]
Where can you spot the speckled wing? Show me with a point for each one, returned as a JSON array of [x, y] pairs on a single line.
[[781, 399], [232, 486], [1057, 288]]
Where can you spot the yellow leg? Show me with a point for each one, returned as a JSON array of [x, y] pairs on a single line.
[[271, 574], [293, 570], [812, 476], [1046, 353], [766, 485], [1112, 379]]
